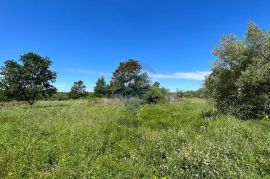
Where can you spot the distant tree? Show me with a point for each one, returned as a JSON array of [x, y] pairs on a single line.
[[179, 94], [78, 90], [156, 84], [240, 79], [101, 88], [29, 80], [128, 80]]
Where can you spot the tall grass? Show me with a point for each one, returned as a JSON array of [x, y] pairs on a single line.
[[104, 139]]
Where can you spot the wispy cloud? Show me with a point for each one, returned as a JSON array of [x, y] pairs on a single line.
[[87, 72], [199, 75]]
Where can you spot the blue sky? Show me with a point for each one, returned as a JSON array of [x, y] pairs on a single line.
[[173, 39]]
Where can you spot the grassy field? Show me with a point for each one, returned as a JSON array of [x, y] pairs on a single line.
[[104, 139]]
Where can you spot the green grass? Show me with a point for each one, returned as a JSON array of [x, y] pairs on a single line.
[[102, 139]]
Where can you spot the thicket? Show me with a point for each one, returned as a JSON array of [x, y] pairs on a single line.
[[240, 79]]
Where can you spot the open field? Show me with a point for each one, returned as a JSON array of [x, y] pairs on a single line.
[[103, 139]]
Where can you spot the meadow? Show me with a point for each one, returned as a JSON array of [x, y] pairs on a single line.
[[109, 139]]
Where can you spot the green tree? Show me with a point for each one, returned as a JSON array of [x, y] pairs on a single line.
[[29, 80], [156, 84], [128, 80], [78, 90], [101, 88], [240, 80]]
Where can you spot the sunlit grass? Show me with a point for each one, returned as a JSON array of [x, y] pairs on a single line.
[[102, 139]]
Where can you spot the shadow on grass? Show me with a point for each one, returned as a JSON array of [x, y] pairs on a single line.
[[130, 123], [211, 114], [47, 106]]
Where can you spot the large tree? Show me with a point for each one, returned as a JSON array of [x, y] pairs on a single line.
[[101, 88], [78, 90], [28, 80], [128, 80], [240, 79]]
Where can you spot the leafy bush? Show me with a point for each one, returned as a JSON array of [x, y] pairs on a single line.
[[155, 95], [134, 104], [240, 80]]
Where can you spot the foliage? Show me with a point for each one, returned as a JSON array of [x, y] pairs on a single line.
[[85, 139], [78, 90], [128, 80], [155, 94], [101, 89], [91, 95], [133, 104], [190, 94], [28, 80], [59, 96], [3, 96], [240, 81]]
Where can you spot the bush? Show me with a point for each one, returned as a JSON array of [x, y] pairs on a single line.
[[134, 104], [240, 80], [155, 95]]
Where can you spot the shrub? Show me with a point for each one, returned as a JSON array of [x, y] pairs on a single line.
[[134, 104], [240, 80], [155, 95]]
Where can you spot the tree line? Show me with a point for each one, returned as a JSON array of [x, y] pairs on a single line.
[[31, 79], [239, 83], [127, 81]]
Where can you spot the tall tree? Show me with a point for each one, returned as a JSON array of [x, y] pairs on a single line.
[[101, 88], [128, 80], [78, 90], [28, 80], [240, 80]]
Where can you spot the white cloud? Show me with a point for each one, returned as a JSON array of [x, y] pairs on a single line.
[[199, 75]]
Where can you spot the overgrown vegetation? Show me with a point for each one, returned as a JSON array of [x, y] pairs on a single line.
[[105, 139], [132, 128], [155, 94], [240, 81]]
